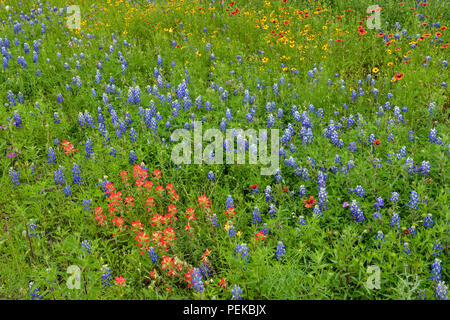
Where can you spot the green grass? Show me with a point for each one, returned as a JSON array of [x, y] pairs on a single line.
[[327, 258]]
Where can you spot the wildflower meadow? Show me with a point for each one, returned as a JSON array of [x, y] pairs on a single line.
[[224, 150]]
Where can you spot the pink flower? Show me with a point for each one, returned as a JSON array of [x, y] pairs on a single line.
[[345, 204]]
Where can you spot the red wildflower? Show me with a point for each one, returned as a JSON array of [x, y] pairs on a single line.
[[124, 176], [156, 174], [261, 236], [230, 211], [203, 201], [205, 255], [376, 142], [310, 202], [362, 31], [120, 281], [129, 201], [190, 214], [222, 283]]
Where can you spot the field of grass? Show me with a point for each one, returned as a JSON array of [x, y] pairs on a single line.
[[94, 207]]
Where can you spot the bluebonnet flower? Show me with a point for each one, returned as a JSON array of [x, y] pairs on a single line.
[[280, 251], [355, 212], [34, 292], [20, 98], [107, 281], [51, 155], [211, 176], [422, 294], [87, 205], [406, 249], [242, 252], [133, 135], [268, 192], [76, 174], [270, 121], [302, 191], [272, 210], [223, 125], [132, 157], [433, 137], [278, 176], [236, 293], [206, 272], [437, 248], [317, 211], [256, 216], [394, 197], [428, 221], [395, 220], [197, 282], [352, 147], [359, 190], [424, 168], [32, 227], [56, 119], [67, 191], [112, 152], [379, 202], [231, 232], [11, 98], [436, 269], [89, 149], [376, 163], [376, 215], [58, 176], [380, 238], [17, 119], [441, 291], [229, 202], [215, 220], [321, 178], [59, 98], [414, 200], [153, 255], [302, 221], [323, 199], [86, 246], [412, 231]]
